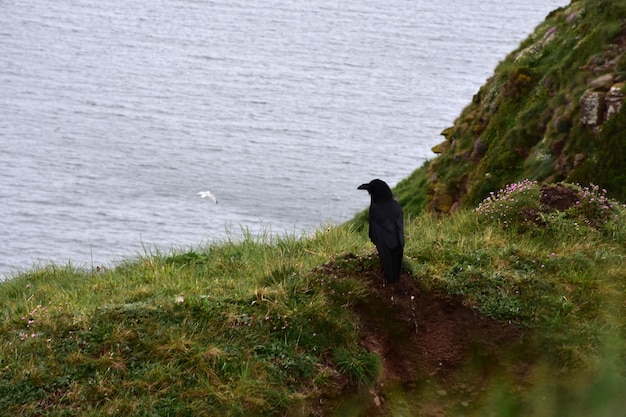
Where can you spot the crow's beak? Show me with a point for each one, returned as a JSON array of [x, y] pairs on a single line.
[[363, 187]]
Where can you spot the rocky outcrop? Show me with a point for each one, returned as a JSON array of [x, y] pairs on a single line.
[[441, 148], [592, 108], [614, 100], [603, 99]]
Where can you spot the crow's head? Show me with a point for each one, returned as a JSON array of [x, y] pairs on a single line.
[[378, 189]]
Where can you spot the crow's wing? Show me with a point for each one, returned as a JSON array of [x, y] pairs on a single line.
[[386, 224]]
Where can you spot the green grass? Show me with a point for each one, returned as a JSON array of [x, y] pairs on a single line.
[[263, 325], [237, 328]]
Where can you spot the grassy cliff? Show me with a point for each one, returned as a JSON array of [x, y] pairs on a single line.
[[497, 312], [552, 111]]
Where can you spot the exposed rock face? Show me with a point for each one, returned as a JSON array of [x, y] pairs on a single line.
[[602, 83], [592, 108], [441, 148], [602, 100], [614, 100]]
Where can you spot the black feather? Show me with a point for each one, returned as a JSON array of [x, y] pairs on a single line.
[[386, 221]]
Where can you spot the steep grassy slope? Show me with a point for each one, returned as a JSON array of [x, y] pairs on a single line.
[[519, 318], [552, 111]]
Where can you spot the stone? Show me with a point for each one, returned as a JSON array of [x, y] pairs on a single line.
[[441, 148], [614, 100], [592, 108], [602, 83], [447, 132], [579, 158]]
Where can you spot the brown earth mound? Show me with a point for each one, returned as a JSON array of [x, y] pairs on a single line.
[[438, 331], [422, 335]]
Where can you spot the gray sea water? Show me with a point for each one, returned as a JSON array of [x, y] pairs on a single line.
[[115, 114]]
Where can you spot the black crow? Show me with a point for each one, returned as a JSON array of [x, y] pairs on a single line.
[[386, 227]]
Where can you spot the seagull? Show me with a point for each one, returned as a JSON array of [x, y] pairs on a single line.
[[205, 194]]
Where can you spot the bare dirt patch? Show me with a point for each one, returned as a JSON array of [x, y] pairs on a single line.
[[420, 335], [439, 332]]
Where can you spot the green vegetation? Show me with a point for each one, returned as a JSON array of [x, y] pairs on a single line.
[[513, 306], [526, 122], [235, 329], [268, 326]]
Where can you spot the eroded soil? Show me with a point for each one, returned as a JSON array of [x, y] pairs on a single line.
[[430, 345]]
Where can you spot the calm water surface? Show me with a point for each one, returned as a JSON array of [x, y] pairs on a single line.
[[114, 114]]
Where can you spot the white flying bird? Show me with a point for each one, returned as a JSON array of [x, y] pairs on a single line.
[[205, 194]]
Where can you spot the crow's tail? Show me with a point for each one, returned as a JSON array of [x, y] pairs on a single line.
[[391, 259]]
